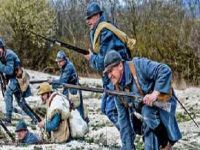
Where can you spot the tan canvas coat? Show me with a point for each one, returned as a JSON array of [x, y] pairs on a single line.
[[59, 104]]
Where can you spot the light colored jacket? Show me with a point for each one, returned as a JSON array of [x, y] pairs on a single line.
[[59, 104]]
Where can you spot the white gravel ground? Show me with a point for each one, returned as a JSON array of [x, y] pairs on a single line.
[[102, 134]]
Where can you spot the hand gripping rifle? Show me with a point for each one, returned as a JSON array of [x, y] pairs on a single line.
[[7, 131], [62, 44]]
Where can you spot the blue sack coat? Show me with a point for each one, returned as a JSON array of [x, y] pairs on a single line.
[[67, 75], [30, 138], [108, 41], [8, 63], [151, 76]]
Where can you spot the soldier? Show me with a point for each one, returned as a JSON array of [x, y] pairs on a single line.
[[58, 112], [151, 80], [108, 41], [68, 75], [9, 65], [24, 135]]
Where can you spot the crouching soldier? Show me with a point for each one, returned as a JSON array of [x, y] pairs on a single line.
[[68, 75], [58, 112], [24, 136], [152, 81]]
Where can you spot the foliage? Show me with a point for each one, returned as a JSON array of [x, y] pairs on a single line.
[[166, 32], [18, 18], [182, 117]]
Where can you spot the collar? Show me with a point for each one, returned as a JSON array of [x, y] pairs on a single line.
[[66, 62], [127, 76], [101, 19], [25, 138]]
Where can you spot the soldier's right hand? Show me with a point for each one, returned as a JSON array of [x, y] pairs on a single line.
[[50, 80]]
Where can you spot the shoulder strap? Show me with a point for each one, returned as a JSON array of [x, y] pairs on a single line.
[[120, 34], [133, 72], [52, 97], [161, 96]]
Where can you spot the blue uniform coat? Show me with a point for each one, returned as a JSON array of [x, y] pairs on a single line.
[[151, 76], [67, 75], [108, 41], [30, 138], [8, 63]]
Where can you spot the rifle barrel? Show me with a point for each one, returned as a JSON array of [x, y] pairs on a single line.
[[37, 81], [66, 45], [100, 90], [34, 113], [7, 131], [3, 83], [163, 105]]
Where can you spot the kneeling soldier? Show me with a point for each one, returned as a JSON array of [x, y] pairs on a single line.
[[58, 112], [69, 75]]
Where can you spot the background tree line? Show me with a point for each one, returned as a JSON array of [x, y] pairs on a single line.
[[166, 31]]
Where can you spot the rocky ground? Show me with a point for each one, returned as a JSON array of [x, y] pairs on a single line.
[[102, 135]]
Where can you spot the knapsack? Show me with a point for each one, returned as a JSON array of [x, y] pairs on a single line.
[[129, 42]]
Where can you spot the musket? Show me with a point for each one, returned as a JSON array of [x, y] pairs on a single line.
[[3, 83], [62, 44], [34, 113], [31, 110], [7, 131], [163, 105], [37, 81]]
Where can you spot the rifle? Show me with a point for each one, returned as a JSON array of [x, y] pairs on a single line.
[[163, 105], [7, 131], [37, 81], [62, 44], [3, 83], [35, 114]]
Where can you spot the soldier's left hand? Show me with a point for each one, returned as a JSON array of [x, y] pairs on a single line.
[[41, 124], [150, 98]]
